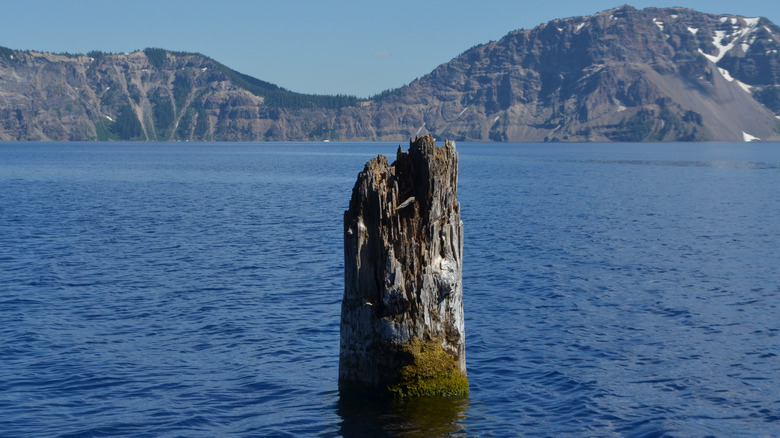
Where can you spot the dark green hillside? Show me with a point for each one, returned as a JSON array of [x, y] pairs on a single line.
[[279, 97]]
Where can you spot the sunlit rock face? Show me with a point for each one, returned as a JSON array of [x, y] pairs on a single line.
[[403, 246], [621, 75]]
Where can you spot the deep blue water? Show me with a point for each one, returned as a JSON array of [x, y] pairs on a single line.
[[195, 289]]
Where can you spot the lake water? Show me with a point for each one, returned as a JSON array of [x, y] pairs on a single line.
[[195, 290]]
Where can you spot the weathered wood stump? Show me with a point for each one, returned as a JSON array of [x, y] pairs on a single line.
[[402, 324]]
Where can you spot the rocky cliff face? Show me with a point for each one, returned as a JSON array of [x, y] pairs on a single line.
[[152, 95], [403, 246], [619, 75]]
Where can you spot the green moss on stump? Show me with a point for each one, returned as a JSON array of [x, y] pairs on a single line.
[[431, 372]]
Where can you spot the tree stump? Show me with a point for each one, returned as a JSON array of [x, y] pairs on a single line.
[[402, 326]]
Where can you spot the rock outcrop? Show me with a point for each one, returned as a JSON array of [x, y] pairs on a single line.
[[622, 75], [156, 95], [402, 324]]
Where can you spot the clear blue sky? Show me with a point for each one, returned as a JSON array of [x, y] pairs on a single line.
[[356, 47]]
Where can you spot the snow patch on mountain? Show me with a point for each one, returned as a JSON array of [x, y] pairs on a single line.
[[748, 138], [738, 36], [717, 41]]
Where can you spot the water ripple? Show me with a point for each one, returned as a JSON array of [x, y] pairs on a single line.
[[194, 290]]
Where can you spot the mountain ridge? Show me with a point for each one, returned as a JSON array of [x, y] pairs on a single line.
[[670, 74]]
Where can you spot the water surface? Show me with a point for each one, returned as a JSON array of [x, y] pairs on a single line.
[[194, 290]]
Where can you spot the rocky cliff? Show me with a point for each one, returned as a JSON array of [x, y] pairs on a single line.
[[619, 75], [150, 95]]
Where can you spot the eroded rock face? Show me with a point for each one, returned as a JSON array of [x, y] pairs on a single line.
[[403, 246], [622, 75]]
